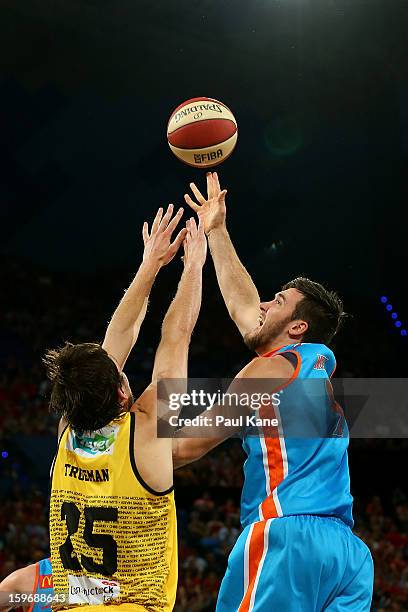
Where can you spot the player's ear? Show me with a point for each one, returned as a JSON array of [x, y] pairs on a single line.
[[122, 396], [298, 328]]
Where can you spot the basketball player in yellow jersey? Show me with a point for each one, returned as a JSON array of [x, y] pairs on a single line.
[[112, 512]]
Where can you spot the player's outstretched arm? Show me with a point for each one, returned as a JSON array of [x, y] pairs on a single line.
[[260, 376], [19, 582], [179, 322], [154, 453], [159, 250], [238, 290]]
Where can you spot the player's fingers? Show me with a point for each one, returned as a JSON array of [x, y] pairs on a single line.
[[216, 182], [145, 232], [175, 245], [193, 228], [191, 202], [197, 193], [157, 220], [165, 221], [222, 195], [200, 226], [210, 186], [173, 223]]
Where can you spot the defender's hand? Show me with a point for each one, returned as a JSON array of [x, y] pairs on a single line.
[[195, 244], [212, 211], [158, 248]]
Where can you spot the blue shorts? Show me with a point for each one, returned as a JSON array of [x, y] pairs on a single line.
[[298, 564]]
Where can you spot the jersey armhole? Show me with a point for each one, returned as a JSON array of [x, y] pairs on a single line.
[[133, 461], [56, 453], [295, 361]]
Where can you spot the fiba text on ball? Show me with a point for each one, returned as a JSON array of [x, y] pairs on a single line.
[[200, 158]]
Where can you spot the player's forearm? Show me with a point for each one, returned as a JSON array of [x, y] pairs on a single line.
[[133, 303], [237, 287], [124, 326], [178, 325], [182, 315]]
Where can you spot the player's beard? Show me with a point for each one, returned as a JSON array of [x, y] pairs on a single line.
[[265, 334]]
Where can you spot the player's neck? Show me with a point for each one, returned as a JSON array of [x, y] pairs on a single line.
[[274, 345]]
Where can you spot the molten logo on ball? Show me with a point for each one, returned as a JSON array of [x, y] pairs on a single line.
[[202, 132]]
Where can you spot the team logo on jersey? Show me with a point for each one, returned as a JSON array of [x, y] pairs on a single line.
[[99, 442], [320, 362]]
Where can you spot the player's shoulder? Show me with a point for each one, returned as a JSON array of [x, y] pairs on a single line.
[[260, 367], [21, 580], [316, 355]]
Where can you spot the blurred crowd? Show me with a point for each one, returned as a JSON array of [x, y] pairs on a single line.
[[46, 309], [207, 496]]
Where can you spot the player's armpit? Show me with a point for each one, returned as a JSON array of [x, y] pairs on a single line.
[[146, 403]]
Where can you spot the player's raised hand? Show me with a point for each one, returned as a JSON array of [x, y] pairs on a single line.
[[195, 243], [158, 246], [211, 210]]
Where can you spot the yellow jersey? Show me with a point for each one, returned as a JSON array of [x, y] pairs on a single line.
[[113, 539]]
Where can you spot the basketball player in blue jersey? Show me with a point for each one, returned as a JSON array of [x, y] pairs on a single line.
[[296, 552], [31, 585]]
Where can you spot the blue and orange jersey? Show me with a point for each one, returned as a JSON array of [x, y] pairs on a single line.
[[43, 587], [294, 470]]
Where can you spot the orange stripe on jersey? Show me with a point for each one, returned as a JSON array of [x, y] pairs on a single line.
[[275, 468], [37, 575], [255, 553], [273, 444]]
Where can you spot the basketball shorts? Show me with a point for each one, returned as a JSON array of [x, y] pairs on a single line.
[[298, 564]]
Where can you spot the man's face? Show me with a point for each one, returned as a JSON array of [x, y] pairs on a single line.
[[274, 318]]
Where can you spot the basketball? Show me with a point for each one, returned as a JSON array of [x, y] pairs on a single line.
[[202, 132]]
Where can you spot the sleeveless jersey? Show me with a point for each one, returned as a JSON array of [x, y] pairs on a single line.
[[113, 539], [300, 471], [43, 590]]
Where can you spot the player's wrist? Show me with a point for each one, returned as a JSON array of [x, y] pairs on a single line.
[[193, 265], [217, 230], [150, 266]]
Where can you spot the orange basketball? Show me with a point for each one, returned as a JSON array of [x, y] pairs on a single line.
[[202, 132]]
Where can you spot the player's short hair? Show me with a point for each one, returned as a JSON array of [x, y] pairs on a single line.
[[320, 308], [84, 385]]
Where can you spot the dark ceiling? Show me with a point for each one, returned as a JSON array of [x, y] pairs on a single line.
[[319, 90]]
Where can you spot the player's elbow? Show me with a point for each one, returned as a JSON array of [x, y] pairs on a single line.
[[183, 453], [177, 334]]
